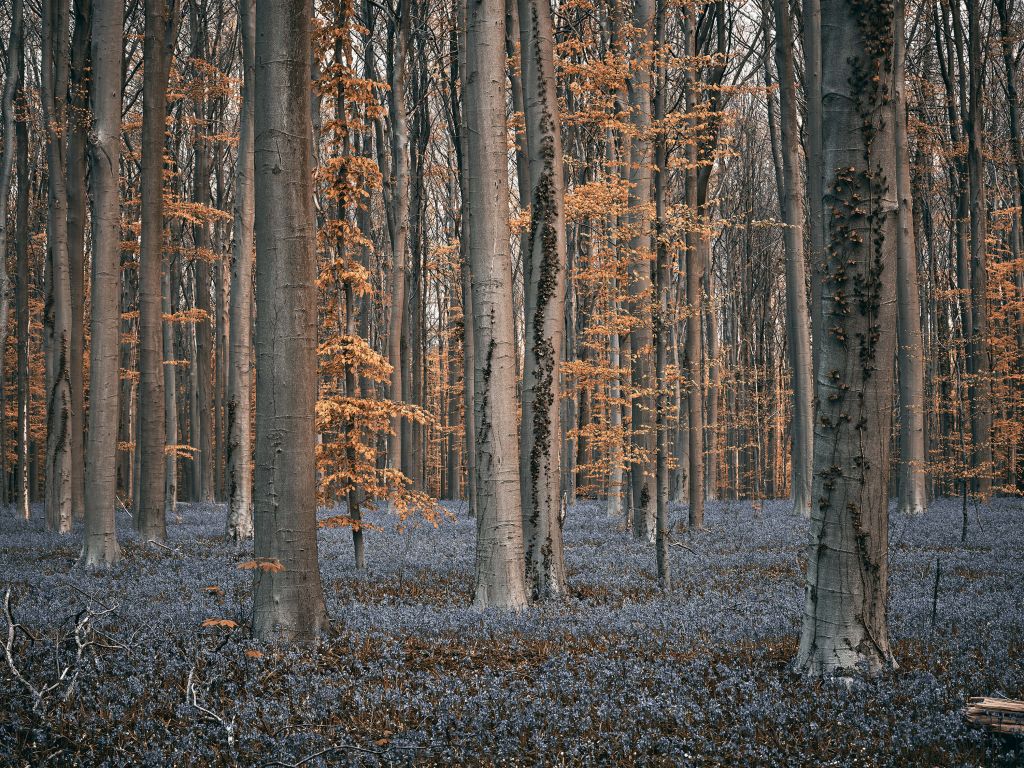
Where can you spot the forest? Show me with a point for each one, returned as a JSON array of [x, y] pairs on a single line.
[[511, 382]]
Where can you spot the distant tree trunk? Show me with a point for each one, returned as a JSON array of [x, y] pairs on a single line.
[[170, 396], [398, 213], [101, 548], [979, 367], [815, 170], [54, 86], [844, 622], [289, 603], [500, 580], [16, 148], [641, 472], [798, 331], [78, 145], [544, 307], [149, 517], [239, 452], [913, 498]]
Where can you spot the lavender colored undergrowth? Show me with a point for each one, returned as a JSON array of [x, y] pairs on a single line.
[[618, 674]]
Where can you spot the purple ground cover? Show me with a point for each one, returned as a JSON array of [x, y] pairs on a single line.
[[411, 674]]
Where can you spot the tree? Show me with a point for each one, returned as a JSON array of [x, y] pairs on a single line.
[[289, 600], [100, 547], [798, 319], [149, 517], [844, 621], [544, 306], [500, 580], [239, 450]]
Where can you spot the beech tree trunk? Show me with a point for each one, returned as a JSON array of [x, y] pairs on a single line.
[[913, 497], [101, 548], [170, 396], [544, 307], [54, 88], [149, 517], [239, 450], [500, 579], [798, 331], [289, 603], [844, 622]]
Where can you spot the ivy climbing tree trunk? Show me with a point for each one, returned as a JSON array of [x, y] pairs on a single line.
[[844, 621], [101, 548], [239, 451], [544, 306], [500, 579], [289, 599]]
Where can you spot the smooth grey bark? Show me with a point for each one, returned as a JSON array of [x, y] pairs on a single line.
[[170, 397], [239, 447], [798, 330], [77, 164], [544, 308], [913, 497], [500, 578], [815, 167], [100, 547], [289, 603], [639, 290], [149, 518], [54, 86], [844, 620], [16, 64]]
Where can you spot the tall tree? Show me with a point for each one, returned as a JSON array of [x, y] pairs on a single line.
[[16, 51], [500, 579], [798, 321], [844, 621], [544, 306], [289, 599], [149, 517], [101, 548], [54, 87], [239, 452]]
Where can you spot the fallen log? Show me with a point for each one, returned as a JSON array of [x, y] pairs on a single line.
[[1005, 716]]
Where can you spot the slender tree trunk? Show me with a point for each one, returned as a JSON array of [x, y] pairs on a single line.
[[913, 497], [798, 322], [54, 78], [170, 396], [844, 622], [289, 603], [239, 452], [101, 548], [149, 517], [500, 579], [815, 171], [78, 141], [544, 307]]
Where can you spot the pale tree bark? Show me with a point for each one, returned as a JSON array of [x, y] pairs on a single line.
[[500, 579], [913, 498], [815, 168], [170, 397], [844, 621], [639, 291], [149, 518], [978, 364], [289, 603], [544, 307], [101, 547], [54, 86], [239, 453], [798, 321], [22, 494], [398, 214], [77, 162]]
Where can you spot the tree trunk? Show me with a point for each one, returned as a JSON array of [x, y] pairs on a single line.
[[289, 603], [844, 622], [500, 580], [798, 331], [101, 548], [913, 497], [170, 396], [149, 517], [544, 307], [815, 173], [239, 452], [54, 85]]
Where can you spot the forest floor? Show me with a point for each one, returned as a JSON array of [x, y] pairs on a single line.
[[410, 674]]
